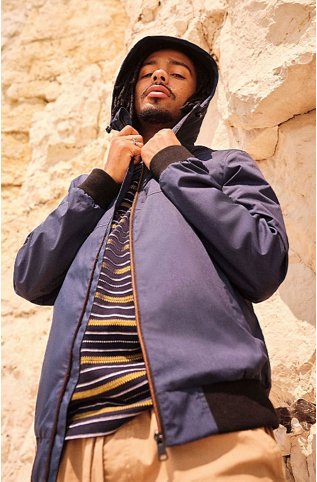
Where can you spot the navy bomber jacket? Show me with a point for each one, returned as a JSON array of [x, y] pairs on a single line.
[[207, 240]]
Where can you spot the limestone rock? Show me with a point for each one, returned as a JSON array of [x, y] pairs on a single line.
[[283, 440], [291, 172], [58, 62], [292, 370], [16, 154], [64, 136], [311, 456], [261, 83], [300, 450], [259, 143]]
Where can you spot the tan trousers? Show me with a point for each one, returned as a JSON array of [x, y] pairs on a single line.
[[130, 455]]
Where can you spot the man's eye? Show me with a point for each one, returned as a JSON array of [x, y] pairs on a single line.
[[178, 76], [149, 74]]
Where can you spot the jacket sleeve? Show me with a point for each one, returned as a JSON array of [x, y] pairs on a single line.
[[42, 262], [239, 219]]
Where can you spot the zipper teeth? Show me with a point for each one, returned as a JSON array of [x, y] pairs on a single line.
[[145, 357], [66, 378]]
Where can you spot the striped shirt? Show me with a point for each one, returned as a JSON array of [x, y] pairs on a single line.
[[113, 385]]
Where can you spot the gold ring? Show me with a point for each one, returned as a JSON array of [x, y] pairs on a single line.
[[134, 141]]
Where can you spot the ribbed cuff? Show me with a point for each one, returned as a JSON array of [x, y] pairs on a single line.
[[101, 187], [240, 405], [167, 156]]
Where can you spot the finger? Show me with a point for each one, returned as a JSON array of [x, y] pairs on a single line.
[[136, 159], [136, 138], [128, 130], [135, 151]]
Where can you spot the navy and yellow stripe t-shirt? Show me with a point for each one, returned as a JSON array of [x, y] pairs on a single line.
[[112, 386]]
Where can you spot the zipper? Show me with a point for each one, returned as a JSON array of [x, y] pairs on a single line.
[[159, 434], [66, 378], [69, 365], [161, 447]]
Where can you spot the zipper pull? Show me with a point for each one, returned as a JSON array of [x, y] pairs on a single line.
[[161, 448]]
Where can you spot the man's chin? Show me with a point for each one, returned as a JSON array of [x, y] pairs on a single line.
[[156, 115]]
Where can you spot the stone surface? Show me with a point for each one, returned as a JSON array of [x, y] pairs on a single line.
[[58, 66], [59, 63], [291, 170]]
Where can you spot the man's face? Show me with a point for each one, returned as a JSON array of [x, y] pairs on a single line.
[[167, 79]]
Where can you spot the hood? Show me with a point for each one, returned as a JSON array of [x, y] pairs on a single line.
[[122, 108]]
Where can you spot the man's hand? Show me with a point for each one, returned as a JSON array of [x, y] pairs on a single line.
[[124, 146], [161, 139]]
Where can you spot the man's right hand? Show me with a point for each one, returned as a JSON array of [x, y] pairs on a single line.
[[127, 144]]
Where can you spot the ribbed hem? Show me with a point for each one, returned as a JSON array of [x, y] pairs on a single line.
[[101, 187], [240, 405], [166, 156]]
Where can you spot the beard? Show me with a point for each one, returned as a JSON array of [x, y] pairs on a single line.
[[152, 115]]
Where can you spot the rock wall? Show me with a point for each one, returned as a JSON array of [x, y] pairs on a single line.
[[59, 61]]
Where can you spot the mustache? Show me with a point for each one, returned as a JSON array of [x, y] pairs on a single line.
[[145, 92]]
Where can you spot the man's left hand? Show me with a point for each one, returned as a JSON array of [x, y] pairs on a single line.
[[161, 139]]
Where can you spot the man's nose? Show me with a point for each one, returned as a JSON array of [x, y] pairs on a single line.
[[160, 75]]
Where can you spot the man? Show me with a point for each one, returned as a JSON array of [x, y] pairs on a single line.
[[156, 368]]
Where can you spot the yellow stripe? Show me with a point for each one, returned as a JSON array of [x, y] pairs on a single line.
[[125, 204], [114, 299], [108, 386], [125, 246], [111, 322], [146, 403], [110, 359], [123, 270], [126, 269]]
